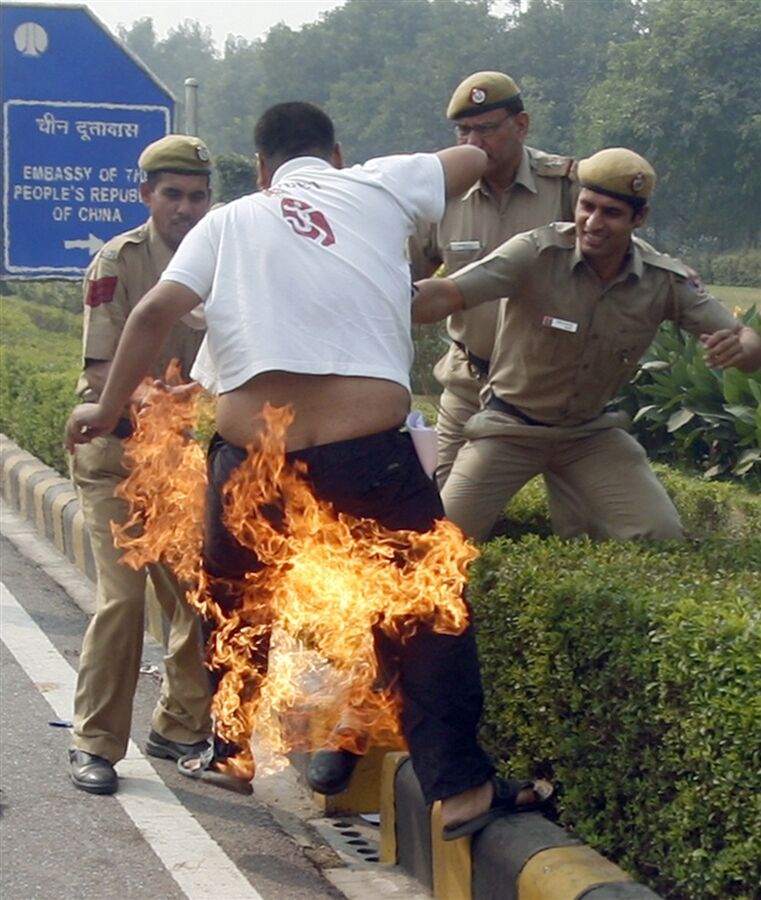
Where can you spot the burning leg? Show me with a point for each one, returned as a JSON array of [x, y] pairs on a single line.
[[238, 633], [326, 545]]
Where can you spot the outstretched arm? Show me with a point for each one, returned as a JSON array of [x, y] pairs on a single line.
[[147, 329], [463, 165], [435, 299], [738, 347]]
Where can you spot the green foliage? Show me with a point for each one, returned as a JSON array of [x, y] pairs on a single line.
[[735, 298], [670, 78], [681, 95], [737, 268], [629, 673], [235, 175], [557, 51], [187, 51], [430, 345], [55, 294], [39, 364], [427, 408], [685, 412]]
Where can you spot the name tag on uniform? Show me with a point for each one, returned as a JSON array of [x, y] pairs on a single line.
[[560, 324], [464, 245]]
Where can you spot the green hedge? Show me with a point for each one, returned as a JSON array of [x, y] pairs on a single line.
[[743, 267], [39, 364], [630, 674]]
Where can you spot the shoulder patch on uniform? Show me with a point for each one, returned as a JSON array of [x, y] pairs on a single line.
[[99, 291], [552, 166], [652, 257]]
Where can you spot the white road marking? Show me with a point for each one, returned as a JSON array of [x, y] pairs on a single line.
[[196, 862]]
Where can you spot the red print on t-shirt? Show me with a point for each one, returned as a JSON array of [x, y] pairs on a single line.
[[307, 221]]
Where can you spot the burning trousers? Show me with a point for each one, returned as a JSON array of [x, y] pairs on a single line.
[[378, 477]]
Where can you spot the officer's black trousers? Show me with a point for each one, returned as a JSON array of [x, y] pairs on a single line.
[[379, 477]]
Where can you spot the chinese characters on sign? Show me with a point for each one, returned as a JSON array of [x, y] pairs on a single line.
[[72, 179]]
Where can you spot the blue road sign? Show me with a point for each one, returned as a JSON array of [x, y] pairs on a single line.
[[78, 108]]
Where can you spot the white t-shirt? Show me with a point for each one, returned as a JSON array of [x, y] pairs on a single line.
[[310, 276]]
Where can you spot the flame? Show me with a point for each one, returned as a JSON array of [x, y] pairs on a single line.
[[330, 586]]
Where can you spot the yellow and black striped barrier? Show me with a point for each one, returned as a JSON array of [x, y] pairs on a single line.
[[519, 857]]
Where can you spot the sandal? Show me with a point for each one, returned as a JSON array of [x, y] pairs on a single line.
[[504, 803], [198, 766]]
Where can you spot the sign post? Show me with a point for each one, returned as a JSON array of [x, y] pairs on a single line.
[[77, 110]]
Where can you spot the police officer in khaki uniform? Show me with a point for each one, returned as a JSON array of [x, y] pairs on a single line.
[[521, 189], [176, 191], [586, 300]]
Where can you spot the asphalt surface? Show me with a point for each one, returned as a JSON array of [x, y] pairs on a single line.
[[162, 835]]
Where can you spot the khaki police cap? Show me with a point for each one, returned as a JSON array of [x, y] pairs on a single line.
[[481, 92], [620, 173], [182, 153]]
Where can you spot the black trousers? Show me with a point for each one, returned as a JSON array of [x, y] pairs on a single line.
[[379, 477]]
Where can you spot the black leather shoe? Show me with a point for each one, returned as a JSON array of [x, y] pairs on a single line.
[[92, 773], [163, 748], [330, 771]]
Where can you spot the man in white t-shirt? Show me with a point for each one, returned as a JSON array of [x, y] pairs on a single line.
[[306, 294]]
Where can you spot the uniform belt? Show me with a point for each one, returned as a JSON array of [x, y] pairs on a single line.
[[480, 364], [503, 406], [123, 429], [495, 403]]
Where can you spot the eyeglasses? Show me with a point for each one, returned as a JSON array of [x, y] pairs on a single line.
[[483, 129]]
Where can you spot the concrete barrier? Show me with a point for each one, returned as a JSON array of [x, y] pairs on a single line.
[[520, 857], [48, 501]]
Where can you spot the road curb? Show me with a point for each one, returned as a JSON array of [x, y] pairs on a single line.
[[520, 857], [48, 501]]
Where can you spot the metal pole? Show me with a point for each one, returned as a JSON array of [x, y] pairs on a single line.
[[191, 106]]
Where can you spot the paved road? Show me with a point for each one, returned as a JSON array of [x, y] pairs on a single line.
[[162, 835]]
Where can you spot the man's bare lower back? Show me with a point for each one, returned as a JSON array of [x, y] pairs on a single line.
[[327, 408]]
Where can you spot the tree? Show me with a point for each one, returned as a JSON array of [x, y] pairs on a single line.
[[557, 50], [686, 96], [187, 51], [235, 175]]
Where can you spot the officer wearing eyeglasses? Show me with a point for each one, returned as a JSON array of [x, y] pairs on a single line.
[[522, 188]]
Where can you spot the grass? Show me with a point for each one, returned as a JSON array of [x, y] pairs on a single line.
[[732, 296]]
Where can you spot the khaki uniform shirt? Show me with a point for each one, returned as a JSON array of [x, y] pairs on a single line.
[[475, 224], [569, 344], [124, 270]]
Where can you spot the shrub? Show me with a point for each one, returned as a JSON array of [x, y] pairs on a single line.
[[39, 365], [629, 673], [430, 345], [742, 268], [683, 411], [63, 295], [236, 177]]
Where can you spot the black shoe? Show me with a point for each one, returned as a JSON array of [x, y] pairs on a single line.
[[92, 773], [330, 771], [163, 748]]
